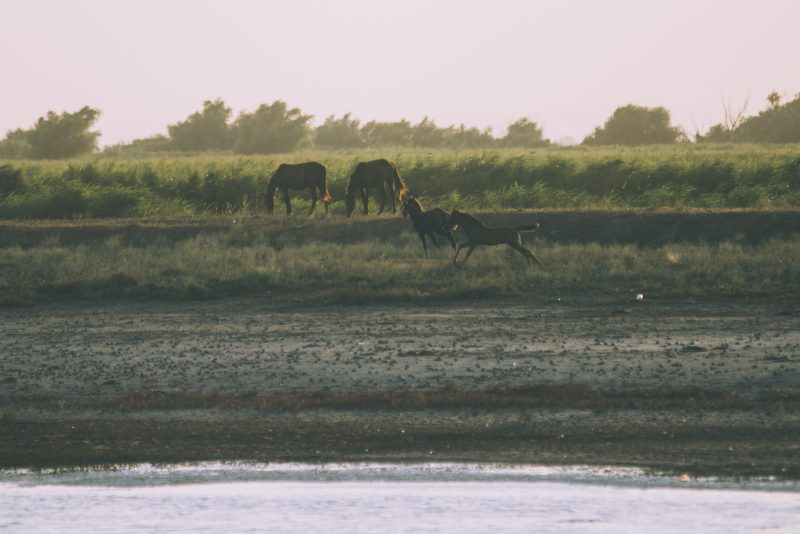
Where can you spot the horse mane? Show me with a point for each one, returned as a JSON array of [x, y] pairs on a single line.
[[398, 184], [414, 200]]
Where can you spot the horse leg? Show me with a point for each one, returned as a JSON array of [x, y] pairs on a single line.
[[433, 239], [469, 253], [313, 200], [383, 199], [365, 200], [424, 244], [455, 258], [526, 253], [449, 237], [287, 201]]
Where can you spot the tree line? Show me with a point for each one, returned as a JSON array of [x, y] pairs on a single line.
[[276, 128]]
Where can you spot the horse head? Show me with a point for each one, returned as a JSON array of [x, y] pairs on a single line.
[[350, 200], [410, 203]]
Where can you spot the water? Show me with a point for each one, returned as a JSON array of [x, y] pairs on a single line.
[[393, 498]]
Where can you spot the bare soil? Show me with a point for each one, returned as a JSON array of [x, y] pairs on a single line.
[[702, 386]]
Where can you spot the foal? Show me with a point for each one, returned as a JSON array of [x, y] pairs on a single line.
[[480, 234], [427, 222]]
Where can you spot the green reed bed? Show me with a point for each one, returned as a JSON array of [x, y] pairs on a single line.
[[682, 176]]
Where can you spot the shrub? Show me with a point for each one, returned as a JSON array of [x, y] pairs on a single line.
[[10, 181], [636, 125]]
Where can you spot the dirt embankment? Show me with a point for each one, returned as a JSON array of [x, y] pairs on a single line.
[[707, 387]]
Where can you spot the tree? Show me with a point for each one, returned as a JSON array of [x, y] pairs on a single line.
[[524, 133], [339, 133], [716, 134], [10, 181], [724, 131], [463, 137], [57, 136], [270, 129], [204, 130], [774, 99], [387, 133], [636, 125], [776, 124], [15, 145], [427, 135], [155, 143]]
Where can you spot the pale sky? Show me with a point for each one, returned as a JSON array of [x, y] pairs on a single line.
[[564, 64]]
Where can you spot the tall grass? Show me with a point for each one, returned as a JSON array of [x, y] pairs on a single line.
[[680, 176], [215, 265]]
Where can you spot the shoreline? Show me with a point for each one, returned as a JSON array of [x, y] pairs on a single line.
[[705, 443]]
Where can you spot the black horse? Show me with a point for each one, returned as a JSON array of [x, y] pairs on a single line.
[[310, 175], [377, 174], [427, 223]]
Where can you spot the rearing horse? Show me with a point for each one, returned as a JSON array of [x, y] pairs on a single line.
[[480, 234], [310, 175], [427, 222], [378, 173]]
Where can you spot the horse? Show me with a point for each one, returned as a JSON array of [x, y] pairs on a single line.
[[480, 234], [370, 174], [310, 175], [427, 222]]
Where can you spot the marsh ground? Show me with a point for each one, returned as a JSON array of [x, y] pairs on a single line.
[[696, 384]]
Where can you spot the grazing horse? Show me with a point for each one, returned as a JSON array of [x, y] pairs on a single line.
[[371, 174], [480, 234], [427, 222], [310, 175]]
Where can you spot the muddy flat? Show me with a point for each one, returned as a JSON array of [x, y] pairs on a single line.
[[249, 346], [681, 384]]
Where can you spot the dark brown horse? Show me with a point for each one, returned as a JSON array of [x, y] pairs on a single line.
[[379, 174], [310, 175], [427, 223], [480, 234]]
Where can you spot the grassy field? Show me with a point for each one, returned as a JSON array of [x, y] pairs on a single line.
[[229, 338], [152, 312], [379, 258], [682, 176]]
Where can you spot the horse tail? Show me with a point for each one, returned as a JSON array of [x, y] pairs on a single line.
[[326, 195], [530, 228], [351, 188]]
